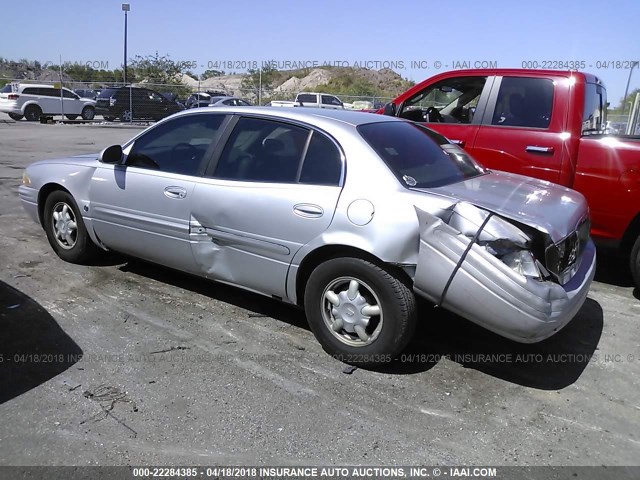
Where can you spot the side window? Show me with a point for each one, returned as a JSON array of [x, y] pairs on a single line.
[[307, 98], [524, 102], [68, 94], [595, 109], [453, 100], [177, 146], [31, 91], [330, 100], [322, 164], [262, 151]]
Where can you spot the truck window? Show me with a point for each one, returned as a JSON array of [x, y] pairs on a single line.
[[330, 100], [524, 102], [307, 98], [452, 100], [595, 109]]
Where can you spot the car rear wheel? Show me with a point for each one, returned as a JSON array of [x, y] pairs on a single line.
[[360, 313], [71, 117], [32, 113], [65, 229], [635, 263], [108, 118], [16, 117], [88, 113]]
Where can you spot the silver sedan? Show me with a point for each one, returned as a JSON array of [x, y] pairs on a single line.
[[346, 214]]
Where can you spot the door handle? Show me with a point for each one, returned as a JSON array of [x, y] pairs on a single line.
[[535, 149], [308, 210], [175, 192], [455, 141]]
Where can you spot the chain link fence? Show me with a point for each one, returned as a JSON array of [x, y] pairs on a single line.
[[153, 101]]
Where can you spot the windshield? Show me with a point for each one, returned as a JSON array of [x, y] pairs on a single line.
[[419, 157]]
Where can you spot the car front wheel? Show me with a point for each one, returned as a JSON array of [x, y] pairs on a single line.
[[88, 113], [65, 229], [635, 263], [360, 313]]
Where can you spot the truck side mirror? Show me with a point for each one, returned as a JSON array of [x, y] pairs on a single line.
[[112, 155], [390, 109]]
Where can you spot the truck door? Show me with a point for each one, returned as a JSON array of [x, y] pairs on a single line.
[[453, 107], [521, 130]]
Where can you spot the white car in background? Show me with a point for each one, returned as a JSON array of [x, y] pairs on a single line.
[[29, 100]]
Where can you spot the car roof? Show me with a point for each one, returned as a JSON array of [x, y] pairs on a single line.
[[301, 114]]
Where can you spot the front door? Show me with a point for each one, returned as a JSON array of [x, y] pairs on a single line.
[[143, 207]]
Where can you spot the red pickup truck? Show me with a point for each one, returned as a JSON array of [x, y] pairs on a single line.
[[545, 124]]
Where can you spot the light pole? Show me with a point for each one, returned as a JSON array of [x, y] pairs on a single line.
[[125, 9]]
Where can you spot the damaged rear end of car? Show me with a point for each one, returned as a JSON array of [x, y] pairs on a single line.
[[506, 276]]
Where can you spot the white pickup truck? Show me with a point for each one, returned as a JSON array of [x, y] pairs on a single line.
[[306, 99]]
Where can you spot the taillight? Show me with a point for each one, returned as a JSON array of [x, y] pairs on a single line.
[[13, 96]]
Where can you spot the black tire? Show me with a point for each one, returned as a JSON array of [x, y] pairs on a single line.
[[125, 116], [32, 113], [88, 113], [387, 334], [78, 247], [15, 116], [634, 262], [71, 117], [108, 118]]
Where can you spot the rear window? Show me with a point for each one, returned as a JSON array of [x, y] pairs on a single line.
[[8, 88], [109, 92], [417, 156]]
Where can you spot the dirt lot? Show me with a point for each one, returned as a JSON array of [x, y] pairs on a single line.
[[128, 363]]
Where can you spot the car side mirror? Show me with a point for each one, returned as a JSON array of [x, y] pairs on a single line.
[[390, 109], [112, 155]]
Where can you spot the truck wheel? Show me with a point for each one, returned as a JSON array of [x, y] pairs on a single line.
[[65, 229], [15, 116], [360, 313], [32, 113], [635, 263]]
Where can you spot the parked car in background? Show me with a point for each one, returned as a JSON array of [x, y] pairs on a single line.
[[30, 101], [307, 99], [134, 103], [361, 105], [228, 102], [202, 99], [284, 206], [543, 123], [86, 93]]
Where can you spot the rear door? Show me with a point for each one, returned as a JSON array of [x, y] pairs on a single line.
[[521, 128], [143, 207], [272, 189]]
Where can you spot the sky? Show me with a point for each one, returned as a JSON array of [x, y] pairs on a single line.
[[417, 38]]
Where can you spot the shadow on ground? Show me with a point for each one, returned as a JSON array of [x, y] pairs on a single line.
[[33, 347], [613, 268], [549, 365]]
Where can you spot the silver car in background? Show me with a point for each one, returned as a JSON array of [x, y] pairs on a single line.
[[346, 214]]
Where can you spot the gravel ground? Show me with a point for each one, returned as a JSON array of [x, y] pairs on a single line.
[[126, 363]]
